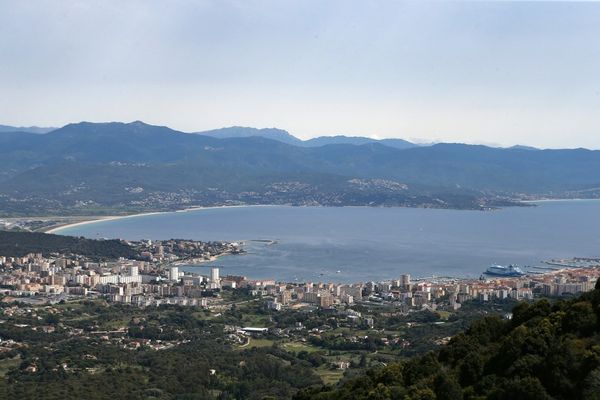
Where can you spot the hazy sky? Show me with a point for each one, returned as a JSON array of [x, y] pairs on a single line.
[[476, 72]]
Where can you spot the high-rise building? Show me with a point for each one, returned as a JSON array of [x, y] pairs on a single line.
[[354, 291], [214, 275], [285, 297], [325, 300], [174, 273], [405, 282], [310, 297]]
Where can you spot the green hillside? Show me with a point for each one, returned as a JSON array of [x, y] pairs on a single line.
[[544, 352], [115, 167], [19, 244]]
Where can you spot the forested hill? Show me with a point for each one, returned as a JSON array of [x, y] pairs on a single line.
[[545, 352], [19, 244], [136, 148], [136, 166]]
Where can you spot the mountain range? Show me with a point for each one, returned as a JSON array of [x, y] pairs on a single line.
[[86, 167], [279, 135], [285, 137], [28, 129]]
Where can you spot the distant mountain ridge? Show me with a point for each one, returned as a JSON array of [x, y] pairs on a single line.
[[136, 166], [28, 129], [241, 132], [277, 134], [285, 137]]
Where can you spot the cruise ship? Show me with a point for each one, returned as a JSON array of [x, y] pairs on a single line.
[[501, 270]]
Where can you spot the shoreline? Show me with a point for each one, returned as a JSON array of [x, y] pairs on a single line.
[[203, 263], [559, 200], [96, 219], [93, 220]]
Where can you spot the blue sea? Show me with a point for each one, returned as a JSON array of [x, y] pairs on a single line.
[[358, 244]]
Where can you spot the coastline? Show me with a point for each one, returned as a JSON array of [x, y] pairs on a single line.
[[85, 220], [195, 263], [544, 200], [95, 219]]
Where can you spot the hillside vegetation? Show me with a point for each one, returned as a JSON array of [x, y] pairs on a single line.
[[19, 244], [116, 167], [544, 352]]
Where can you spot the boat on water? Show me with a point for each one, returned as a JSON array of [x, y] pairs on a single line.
[[501, 270]]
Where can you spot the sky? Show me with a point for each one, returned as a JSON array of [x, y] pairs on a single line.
[[497, 73]]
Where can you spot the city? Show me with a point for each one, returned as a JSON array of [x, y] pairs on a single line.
[[147, 303], [299, 200], [155, 278]]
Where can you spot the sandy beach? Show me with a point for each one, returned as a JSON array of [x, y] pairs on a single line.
[[95, 219]]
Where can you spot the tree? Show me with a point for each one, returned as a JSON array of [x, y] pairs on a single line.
[[528, 388], [381, 392], [523, 312], [591, 385], [446, 387], [580, 319], [471, 369], [420, 367], [363, 361]]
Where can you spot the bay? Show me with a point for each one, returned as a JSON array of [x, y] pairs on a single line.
[[358, 244]]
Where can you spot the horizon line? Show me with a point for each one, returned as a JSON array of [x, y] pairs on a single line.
[[419, 142]]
